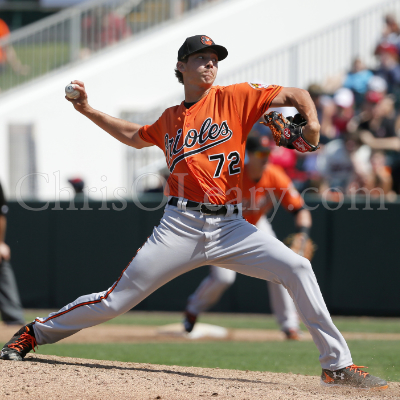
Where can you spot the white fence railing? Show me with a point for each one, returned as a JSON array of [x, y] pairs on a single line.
[[321, 55], [76, 33], [311, 60]]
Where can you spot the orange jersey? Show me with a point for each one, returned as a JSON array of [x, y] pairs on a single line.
[[257, 198], [4, 31], [204, 145]]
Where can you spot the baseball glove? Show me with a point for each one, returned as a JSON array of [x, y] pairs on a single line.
[[301, 244], [288, 132]]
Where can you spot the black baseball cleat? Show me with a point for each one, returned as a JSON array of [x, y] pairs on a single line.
[[20, 344], [189, 321], [352, 376]]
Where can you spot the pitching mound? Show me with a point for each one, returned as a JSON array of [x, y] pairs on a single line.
[[50, 377], [200, 331]]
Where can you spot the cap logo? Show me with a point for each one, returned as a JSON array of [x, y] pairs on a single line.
[[206, 40]]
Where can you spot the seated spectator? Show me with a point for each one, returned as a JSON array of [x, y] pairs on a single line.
[[344, 112], [377, 124], [391, 31], [101, 28], [333, 112], [344, 163], [389, 69], [380, 177], [377, 84], [378, 127], [357, 80], [114, 29]]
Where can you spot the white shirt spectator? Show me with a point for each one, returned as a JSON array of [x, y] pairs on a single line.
[[338, 166]]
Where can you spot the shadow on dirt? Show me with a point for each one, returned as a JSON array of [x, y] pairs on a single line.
[[150, 369]]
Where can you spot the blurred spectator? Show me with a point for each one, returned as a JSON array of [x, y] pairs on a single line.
[[379, 128], [377, 84], [391, 31], [334, 112], [380, 177], [357, 80], [344, 163], [101, 28], [8, 54], [344, 112], [78, 184], [377, 124], [10, 304], [114, 29], [389, 69]]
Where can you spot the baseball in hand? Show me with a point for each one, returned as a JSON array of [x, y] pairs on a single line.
[[70, 92]]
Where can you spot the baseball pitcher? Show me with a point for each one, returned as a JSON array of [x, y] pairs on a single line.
[[203, 140]]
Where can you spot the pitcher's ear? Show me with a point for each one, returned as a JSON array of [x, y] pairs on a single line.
[[180, 66]]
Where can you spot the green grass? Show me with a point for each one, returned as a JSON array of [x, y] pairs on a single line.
[[244, 321], [382, 357], [40, 58]]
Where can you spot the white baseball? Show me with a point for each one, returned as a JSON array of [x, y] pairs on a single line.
[[70, 92]]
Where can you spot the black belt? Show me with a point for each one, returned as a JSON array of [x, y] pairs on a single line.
[[204, 208]]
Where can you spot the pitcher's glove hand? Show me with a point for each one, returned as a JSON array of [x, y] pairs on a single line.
[[301, 244], [288, 132]]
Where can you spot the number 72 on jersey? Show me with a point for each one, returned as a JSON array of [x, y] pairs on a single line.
[[233, 159]]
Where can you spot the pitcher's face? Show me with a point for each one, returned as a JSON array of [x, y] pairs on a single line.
[[201, 68]]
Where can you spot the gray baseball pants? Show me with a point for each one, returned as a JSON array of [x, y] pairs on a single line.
[[218, 281], [185, 240]]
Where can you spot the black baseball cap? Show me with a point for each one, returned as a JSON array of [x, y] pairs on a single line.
[[258, 143], [200, 42]]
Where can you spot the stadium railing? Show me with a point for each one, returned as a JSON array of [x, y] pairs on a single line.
[[74, 34]]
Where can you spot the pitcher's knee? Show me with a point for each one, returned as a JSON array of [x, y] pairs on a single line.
[[301, 266], [225, 279], [305, 264]]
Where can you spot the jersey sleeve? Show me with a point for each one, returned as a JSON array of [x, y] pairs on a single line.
[[252, 101], [151, 133], [285, 190]]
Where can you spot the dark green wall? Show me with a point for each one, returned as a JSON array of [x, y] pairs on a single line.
[[60, 255]]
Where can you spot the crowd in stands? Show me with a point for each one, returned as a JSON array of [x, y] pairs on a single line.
[[359, 116], [360, 129]]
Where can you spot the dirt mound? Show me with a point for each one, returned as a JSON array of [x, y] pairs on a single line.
[[51, 377]]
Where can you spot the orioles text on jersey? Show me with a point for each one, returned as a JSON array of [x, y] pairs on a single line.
[[210, 135], [204, 145]]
